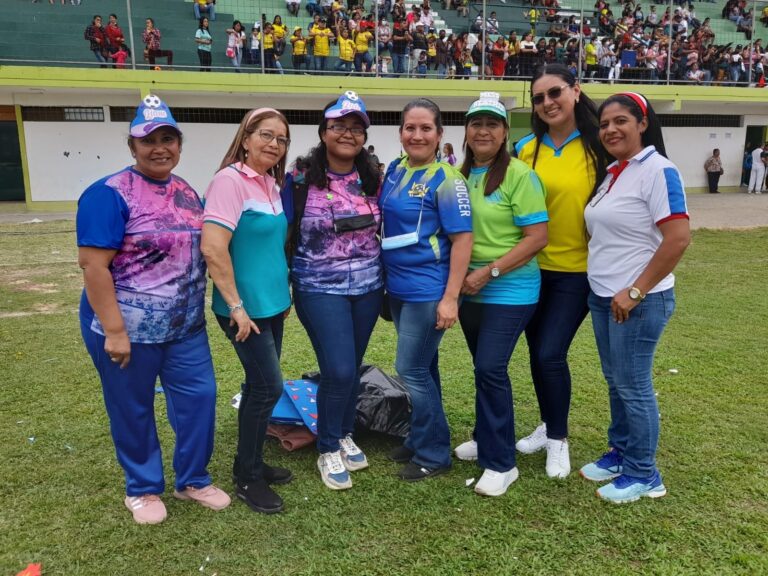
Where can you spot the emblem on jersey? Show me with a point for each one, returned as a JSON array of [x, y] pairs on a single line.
[[418, 191]]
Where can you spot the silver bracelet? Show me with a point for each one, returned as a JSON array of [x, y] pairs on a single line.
[[238, 306]]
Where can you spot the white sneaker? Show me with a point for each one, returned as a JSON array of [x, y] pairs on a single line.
[[333, 472], [494, 483], [558, 459], [535, 441], [351, 455], [466, 451]]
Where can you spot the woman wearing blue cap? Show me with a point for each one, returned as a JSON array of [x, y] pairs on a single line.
[[142, 315], [426, 245], [509, 223], [337, 275]]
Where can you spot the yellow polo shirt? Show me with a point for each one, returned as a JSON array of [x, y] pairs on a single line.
[[569, 178], [322, 42], [346, 49], [361, 41]]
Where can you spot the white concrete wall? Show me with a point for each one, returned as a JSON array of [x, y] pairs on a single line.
[[689, 148], [65, 157]]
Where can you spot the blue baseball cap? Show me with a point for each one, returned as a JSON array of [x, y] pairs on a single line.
[[349, 103], [152, 114]]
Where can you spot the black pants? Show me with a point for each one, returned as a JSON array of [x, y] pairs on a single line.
[[205, 60], [713, 178], [152, 54]]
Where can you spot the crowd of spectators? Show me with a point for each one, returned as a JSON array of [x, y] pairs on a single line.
[[613, 42]]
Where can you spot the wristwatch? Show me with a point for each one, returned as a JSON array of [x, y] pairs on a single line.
[[495, 272], [636, 294]]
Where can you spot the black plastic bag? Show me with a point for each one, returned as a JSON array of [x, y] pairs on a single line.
[[383, 404]]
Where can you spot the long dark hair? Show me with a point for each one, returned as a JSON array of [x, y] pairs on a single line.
[[652, 135], [587, 121], [497, 171], [317, 175]]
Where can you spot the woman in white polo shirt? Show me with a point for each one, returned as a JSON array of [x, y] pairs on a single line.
[[637, 221]]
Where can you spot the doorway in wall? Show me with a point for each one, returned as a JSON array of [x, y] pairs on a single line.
[[754, 138], [11, 174]]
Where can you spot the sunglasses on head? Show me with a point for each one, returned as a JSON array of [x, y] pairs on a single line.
[[553, 93]]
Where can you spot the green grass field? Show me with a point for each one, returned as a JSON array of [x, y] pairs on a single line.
[[62, 490]]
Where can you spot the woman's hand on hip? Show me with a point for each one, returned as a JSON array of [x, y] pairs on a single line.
[[447, 313], [622, 305], [118, 348], [244, 324]]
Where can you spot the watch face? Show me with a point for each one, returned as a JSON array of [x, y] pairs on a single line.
[[634, 293], [495, 272]]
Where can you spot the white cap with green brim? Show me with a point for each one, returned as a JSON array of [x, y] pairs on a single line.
[[488, 103]]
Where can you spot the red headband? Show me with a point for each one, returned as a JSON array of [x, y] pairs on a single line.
[[637, 99]]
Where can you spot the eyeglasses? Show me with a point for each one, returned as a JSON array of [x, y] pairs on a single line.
[[341, 129], [267, 137], [553, 93]]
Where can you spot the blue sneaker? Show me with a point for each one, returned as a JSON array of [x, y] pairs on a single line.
[[608, 467], [333, 472], [351, 455], [629, 488]]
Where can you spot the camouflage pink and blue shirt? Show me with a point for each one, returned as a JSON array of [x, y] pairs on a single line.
[[158, 270]]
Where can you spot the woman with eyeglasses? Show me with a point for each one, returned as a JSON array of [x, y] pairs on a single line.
[[336, 274], [509, 221], [637, 221], [426, 243], [244, 233], [565, 152]]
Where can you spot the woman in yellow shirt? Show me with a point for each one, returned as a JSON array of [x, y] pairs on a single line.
[[565, 151], [299, 48], [322, 44], [278, 29], [346, 53], [362, 54]]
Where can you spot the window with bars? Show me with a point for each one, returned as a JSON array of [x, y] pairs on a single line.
[[62, 114]]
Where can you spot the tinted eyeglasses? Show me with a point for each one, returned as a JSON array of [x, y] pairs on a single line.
[[341, 129], [267, 137], [554, 93]]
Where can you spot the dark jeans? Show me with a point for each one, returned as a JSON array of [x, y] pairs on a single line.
[[152, 54], [260, 356], [561, 310], [339, 328], [713, 179], [492, 331], [205, 60]]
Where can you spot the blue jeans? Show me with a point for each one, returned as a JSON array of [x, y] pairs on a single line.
[[363, 58], [313, 8], [186, 372], [99, 56], [626, 354], [492, 331], [343, 66], [320, 63], [561, 310], [398, 62], [339, 328], [209, 11], [416, 363], [260, 356]]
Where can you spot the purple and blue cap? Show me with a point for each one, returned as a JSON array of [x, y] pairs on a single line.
[[152, 114], [349, 103]]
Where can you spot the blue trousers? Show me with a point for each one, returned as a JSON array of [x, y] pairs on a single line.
[[339, 328], [185, 370], [492, 331], [416, 363], [626, 355], [260, 356], [561, 310]]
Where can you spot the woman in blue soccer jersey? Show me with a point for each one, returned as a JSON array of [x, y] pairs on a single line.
[[637, 221], [565, 152], [426, 245], [244, 234], [142, 315], [337, 275], [509, 226]]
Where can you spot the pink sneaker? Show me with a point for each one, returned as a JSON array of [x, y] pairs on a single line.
[[209, 496], [146, 509]]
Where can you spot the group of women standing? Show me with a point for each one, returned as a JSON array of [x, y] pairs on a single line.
[[502, 246]]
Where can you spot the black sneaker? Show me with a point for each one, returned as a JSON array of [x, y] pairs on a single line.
[[401, 454], [260, 497], [272, 474], [413, 472]]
